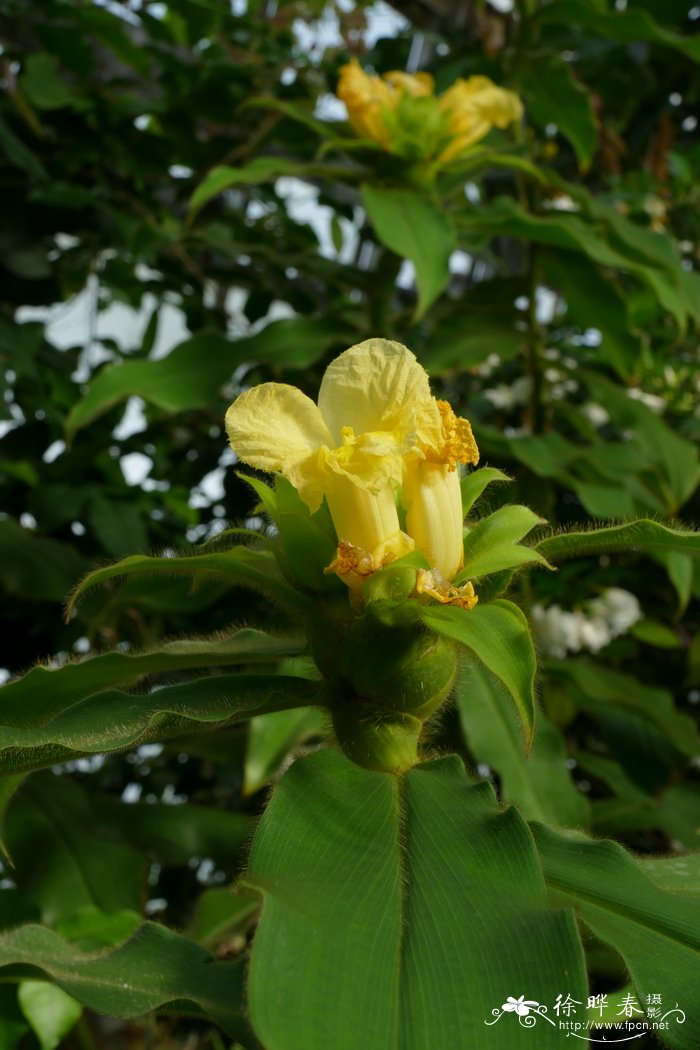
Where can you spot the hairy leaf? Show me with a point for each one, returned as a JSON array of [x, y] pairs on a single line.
[[356, 888], [656, 933], [643, 536], [115, 720], [154, 969], [497, 634]]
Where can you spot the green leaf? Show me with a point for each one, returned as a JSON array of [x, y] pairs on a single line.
[[555, 96], [50, 1012], [267, 494], [260, 169], [492, 544], [656, 933], [626, 27], [82, 865], [498, 635], [604, 501], [192, 375], [44, 691], [574, 232], [505, 525], [588, 291], [221, 914], [272, 737], [307, 542], [673, 811], [355, 887], [119, 526], [472, 485], [655, 633], [597, 688], [676, 459], [479, 157], [116, 720], [540, 783], [37, 568], [154, 969], [643, 536], [298, 111], [44, 86], [459, 347], [238, 566], [176, 834], [13, 1025], [415, 227], [8, 787], [679, 875], [91, 929], [17, 153], [680, 568]]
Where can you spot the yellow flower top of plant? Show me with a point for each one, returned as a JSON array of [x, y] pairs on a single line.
[[473, 107], [369, 98], [402, 113], [376, 429]]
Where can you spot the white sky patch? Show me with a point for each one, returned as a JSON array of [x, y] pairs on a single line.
[[330, 108], [301, 202], [136, 466], [315, 37], [407, 275], [546, 305], [78, 322], [460, 262], [55, 449], [212, 484], [180, 171], [133, 421]]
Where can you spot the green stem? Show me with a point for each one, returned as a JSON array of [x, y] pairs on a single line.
[[535, 347], [383, 287]]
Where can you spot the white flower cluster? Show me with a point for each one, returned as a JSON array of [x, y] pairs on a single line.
[[559, 632]]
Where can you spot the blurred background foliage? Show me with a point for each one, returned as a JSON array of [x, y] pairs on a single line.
[[549, 285]]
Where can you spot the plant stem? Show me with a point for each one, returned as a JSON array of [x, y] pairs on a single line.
[[534, 349]]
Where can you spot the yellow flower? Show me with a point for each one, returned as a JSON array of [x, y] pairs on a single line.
[[374, 409], [376, 427], [370, 99], [365, 97], [473, 107], [432, 495], [401, 112]]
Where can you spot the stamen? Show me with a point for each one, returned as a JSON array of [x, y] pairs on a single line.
[[432, 583], [460, 446], [351, 559]]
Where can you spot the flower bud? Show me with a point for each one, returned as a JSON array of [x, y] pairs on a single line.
[[386, 675]]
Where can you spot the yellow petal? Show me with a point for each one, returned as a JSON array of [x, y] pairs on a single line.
[[366, 520], [365, 98], [276, 427], [473, 107], [379, 390], [370, 471], [434, 519], [368, 530], [416, 84]]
